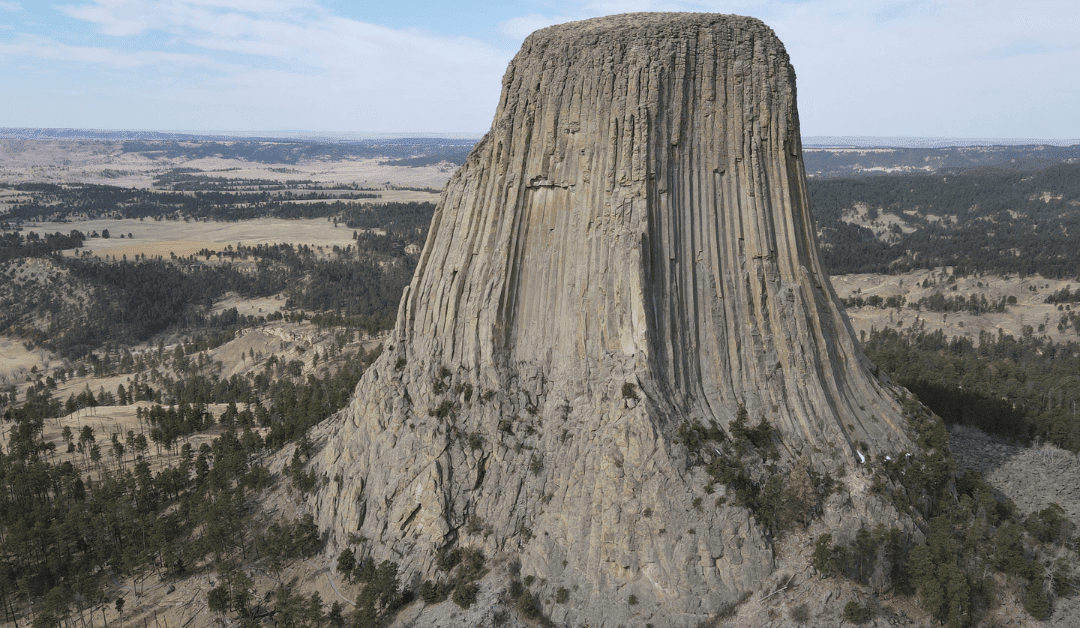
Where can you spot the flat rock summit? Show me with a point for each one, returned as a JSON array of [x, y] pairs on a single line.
[[626, 257]]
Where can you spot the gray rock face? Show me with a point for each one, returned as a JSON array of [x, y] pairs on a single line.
[[630, 247]]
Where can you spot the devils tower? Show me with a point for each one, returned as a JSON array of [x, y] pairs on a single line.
[[627, 252]]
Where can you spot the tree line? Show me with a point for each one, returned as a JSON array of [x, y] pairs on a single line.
[[1019, 388], [128, 302], [187, 198]]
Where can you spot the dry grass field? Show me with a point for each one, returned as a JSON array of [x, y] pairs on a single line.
[[16, 362], [1030, 309], [103, 162], [155, 238]]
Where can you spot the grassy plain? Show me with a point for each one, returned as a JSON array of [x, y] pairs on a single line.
[[105, 163], [1030, 309], [155, 238]]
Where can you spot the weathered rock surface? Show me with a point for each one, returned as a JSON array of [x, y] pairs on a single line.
[[630, 247]]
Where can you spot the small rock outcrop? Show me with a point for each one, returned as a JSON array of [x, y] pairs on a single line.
[[629, 250]]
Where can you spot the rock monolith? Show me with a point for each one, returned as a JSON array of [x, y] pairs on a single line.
[[629, 251]]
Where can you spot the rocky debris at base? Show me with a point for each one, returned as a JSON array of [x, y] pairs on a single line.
[[1032, 477]]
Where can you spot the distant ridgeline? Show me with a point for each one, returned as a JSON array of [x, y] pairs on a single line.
[[830, 161], [824, 157], [993, 208], [129, 302], [409, 151], [272, 148]]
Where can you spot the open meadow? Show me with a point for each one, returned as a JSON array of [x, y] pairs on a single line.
[[106, 163], [1027, 309], [164, 238]]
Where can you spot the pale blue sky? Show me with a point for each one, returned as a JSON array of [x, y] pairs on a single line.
[[916, 68]]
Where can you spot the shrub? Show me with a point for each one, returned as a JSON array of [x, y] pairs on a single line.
[[1009, 549], [694, 435], [465, 594], [217, 599], [528, 605], [472, 565], [824, 559], [800, 614], [443, 409], [562, 596], [346, 563], [1036, 603], [632, 600], [1049, 524], [629, 391], [334, 617], [447, 560], [856, 613], [433, 593], [761, 436], [1063, 581]]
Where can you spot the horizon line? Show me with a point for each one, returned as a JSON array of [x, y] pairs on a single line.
[[808, 141]]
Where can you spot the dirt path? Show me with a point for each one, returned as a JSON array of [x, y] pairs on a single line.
[[333, 585]]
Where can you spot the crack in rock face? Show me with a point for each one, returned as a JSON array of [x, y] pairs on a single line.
[[629, 248]]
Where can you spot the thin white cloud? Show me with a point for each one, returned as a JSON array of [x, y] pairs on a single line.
[[110, 19], [521, 27], [41, 48], [916, 67], [889, 67], [133, 17], [315, 69]]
